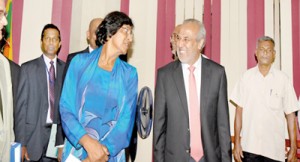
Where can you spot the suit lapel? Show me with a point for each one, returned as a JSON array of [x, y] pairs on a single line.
[[58, 85], [42, 75], [42, 87], [179, 81], [86, 50]]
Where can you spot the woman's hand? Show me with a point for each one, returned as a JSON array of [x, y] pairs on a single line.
[[96, 151]]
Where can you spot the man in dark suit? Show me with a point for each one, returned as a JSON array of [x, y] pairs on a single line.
[[38, 98], [191, 116], [91, 39]]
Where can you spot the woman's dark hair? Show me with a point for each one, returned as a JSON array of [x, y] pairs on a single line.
[[50, 26], [110, 25]]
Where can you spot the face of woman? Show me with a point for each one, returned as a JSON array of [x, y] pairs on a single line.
[[123, 39]]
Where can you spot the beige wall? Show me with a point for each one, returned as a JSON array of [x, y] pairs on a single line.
[[143, 57], [83, 12], [34, 19]]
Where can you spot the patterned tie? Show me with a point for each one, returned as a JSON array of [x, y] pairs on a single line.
[[51, 88], [196, 142]]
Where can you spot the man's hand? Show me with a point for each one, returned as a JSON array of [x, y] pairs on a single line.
[[96, 151], [292, 155], [292, 130], [238, 153], [24, 154], [59, 154]]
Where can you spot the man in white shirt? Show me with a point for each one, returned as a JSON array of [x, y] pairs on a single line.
[[264, 99]]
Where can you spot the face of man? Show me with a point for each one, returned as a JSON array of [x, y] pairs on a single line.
[[3, 20], [50, 42], [91, 33], [122, 39], [265, 53], [173, 39], [188, 48]]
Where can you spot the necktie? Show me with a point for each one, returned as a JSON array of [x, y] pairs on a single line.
[[196, 143], [51, 89]]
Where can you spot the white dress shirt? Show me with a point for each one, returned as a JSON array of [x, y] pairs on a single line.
[[197, 73]]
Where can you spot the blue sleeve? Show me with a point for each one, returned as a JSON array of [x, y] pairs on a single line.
[[69, 108]]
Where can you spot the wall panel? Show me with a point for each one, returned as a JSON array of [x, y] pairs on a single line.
[[31, 30]]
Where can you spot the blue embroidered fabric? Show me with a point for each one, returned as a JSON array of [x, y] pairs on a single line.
[[99, 103]]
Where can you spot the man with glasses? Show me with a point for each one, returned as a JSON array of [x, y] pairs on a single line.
[[191, 117], [173, 41]]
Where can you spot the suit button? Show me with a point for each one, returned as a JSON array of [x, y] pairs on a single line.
[[188, 129], [187, 151]]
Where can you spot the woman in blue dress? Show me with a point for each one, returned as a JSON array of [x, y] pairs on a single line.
[[98, 100]]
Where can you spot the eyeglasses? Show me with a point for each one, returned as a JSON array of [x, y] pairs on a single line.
[[127, 31], [173, 37], [2, 15], [184, 39]]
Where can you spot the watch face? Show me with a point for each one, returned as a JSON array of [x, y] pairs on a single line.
[[144, 112]]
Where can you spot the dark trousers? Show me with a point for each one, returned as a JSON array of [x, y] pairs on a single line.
[[43, 159], [249, 157]]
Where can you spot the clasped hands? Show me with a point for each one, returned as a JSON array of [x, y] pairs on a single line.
[[95, 150]]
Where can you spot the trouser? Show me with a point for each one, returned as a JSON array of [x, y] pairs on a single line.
[[249, 157], [43, 159]]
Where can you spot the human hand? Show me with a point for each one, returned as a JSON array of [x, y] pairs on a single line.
[[24, 154], [59, 154], [292, 155], [96, 151], [105, 150], [86, 160], [238, 153]]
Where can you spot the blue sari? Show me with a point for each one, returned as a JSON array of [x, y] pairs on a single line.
[[99, 103]]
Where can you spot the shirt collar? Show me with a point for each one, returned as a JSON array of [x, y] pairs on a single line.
[[91, 49], [271, 71], [47, 60], [197, 64]]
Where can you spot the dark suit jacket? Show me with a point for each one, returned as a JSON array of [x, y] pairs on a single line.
[[31, 111], [171, 118], [14, 72], [69, 59]]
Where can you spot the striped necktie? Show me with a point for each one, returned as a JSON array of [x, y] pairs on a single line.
[[51, 89]]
